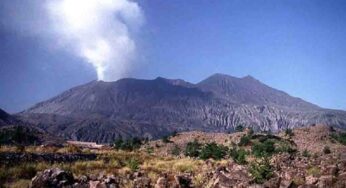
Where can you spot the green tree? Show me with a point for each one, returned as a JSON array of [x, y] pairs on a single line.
[[239, 128], [261, 170], [176, 150], [244, 140], [213, 151], [263, 149], [289, 133], [238, 155], [192, 149]]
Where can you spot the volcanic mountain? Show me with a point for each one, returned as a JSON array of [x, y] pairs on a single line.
[[102, 111]]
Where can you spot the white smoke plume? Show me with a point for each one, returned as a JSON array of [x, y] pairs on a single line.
[[99, 31]]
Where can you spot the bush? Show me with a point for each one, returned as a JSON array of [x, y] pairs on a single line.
[[239, 128], [244, 140], [176, 150], [306, 153], [23, 171], [238, 155], [213, 151], [128, 145], [250, 131], [264, 149], [193, 149], [286, 148], [73, 149], [313, 171], [174, 133], [150, 150], [261, 171], [133, 164], [289, 132], [165, 139], [326, 150], [341, 137]]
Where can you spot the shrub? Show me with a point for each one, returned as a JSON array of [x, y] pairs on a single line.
[[264, 149], [261, 171], [326, 150], [174, 133], [20, 148], [133, 164], [213, 150], [175, 150], [341, 137], [313, 171], [73, 149], [128, 145], [239, 128], [286, 148], [244, 140], [23, 171], [193, 149], [238, 155], [150, 150], [306, 153], [165, 139], [250, 131], [289, 132]]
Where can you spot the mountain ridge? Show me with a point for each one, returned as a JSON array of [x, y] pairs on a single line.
[[101, 111]]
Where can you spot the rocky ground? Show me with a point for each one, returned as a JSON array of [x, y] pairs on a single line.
[[314, 159]]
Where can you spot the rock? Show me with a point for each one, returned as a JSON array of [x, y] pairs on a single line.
[[54, 177], [286, 184], [161, 183], [93, 177], [83, 179], [110, 180], [325, 181], [256, 186], [309, 180], [233, 175], [307, 186], [183, 181], [141, 182], [331, 170], [97, 184], [342, 176], [272, 183]]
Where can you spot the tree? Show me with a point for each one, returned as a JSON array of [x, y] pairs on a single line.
[[238, 155], [239, 128], [264, 149], [289, 133], [244, 140], [176, 150], [192, 149], [261, 170], [212, 151]]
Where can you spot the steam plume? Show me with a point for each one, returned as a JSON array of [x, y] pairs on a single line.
[[99, 31]]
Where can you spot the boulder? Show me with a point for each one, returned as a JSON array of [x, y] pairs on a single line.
[[310, 180], [141, 182], [286, 183], [325, 181], [183, 181], [231, 176], [54, 177], [97, 184], [272, 183], [162, 182]]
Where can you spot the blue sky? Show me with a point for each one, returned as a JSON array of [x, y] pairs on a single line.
[[295, 46]]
